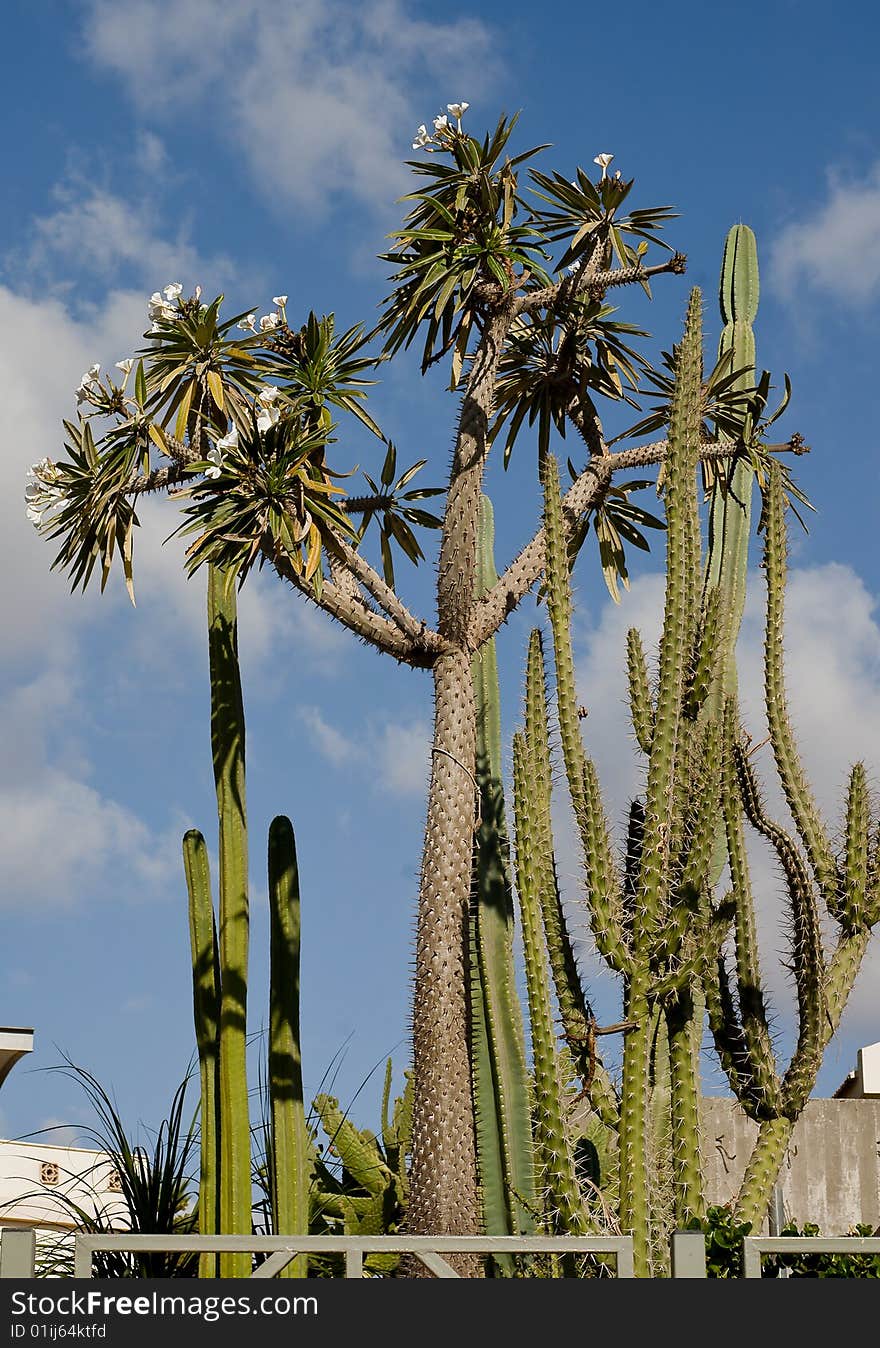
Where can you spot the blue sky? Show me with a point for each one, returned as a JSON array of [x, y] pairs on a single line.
[[257, 147]]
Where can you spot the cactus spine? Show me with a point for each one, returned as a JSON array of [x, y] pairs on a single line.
[[501, 1088]]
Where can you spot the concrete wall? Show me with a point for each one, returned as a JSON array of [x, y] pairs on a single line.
[[831, 1174]]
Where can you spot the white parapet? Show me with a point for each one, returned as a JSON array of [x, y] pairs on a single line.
[[14, 1044], [36, 1178]]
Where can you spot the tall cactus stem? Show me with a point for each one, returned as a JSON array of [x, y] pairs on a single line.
[[206, 1010], [291, 1164], [501, 1086], [228, 746], [557, 1167], [791, 774], [687, 1163]]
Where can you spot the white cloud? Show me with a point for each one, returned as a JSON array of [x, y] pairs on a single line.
[[330, 742], [323, 96], [61, 837], [394, 752], [95, 232], [836, 248], [402, 754]]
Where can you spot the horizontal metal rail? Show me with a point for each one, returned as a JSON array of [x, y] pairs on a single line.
[[428, 1249], [756, 1246]]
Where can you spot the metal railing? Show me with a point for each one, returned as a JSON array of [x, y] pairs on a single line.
[[756, 1246], [688, 1249], [17, 1254]]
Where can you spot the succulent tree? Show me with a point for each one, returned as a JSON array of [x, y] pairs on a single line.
[[235, 418]]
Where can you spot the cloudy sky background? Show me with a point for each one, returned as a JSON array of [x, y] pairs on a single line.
[[257, 147]]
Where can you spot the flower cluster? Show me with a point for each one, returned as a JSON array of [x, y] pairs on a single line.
[[441, 126], [161, 305], [43, 491], [268, 321], [268, 415]]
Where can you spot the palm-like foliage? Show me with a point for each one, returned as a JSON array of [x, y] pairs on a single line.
[[461, 232], [548, 366], [241, 423], [391, 505], [156, 1190]]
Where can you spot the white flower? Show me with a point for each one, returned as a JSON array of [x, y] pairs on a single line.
[[248, 323], [229, 441], [269, 321], [280, 300], [216, 459], [126, 365], [172, 291], [441, 123], [197, 293], [35, 516], [458, 110], [32, 492], [267, 395], [422, 138], [42, 469], [87, 385], [603, 160], [267, 419], [160, 308]]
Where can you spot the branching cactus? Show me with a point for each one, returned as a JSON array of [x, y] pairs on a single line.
[[848, 882], [501, 1086], [536, 887], [368, 1195], [653, 919]]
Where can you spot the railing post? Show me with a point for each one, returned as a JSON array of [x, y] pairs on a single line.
[[18, 1253], [751, 1257], [688, 1254]]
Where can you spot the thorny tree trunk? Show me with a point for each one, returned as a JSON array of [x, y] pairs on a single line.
[[444, 1196]]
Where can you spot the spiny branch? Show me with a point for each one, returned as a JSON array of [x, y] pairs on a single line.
[[600, 281], [412, 627], [495, 606]]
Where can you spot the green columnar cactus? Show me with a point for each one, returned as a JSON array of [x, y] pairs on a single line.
[[501, 1088], [655, 924], [849, 884], [206, 1007], [731, 501], [228, 749], [290, 1142], [553, 1148]]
